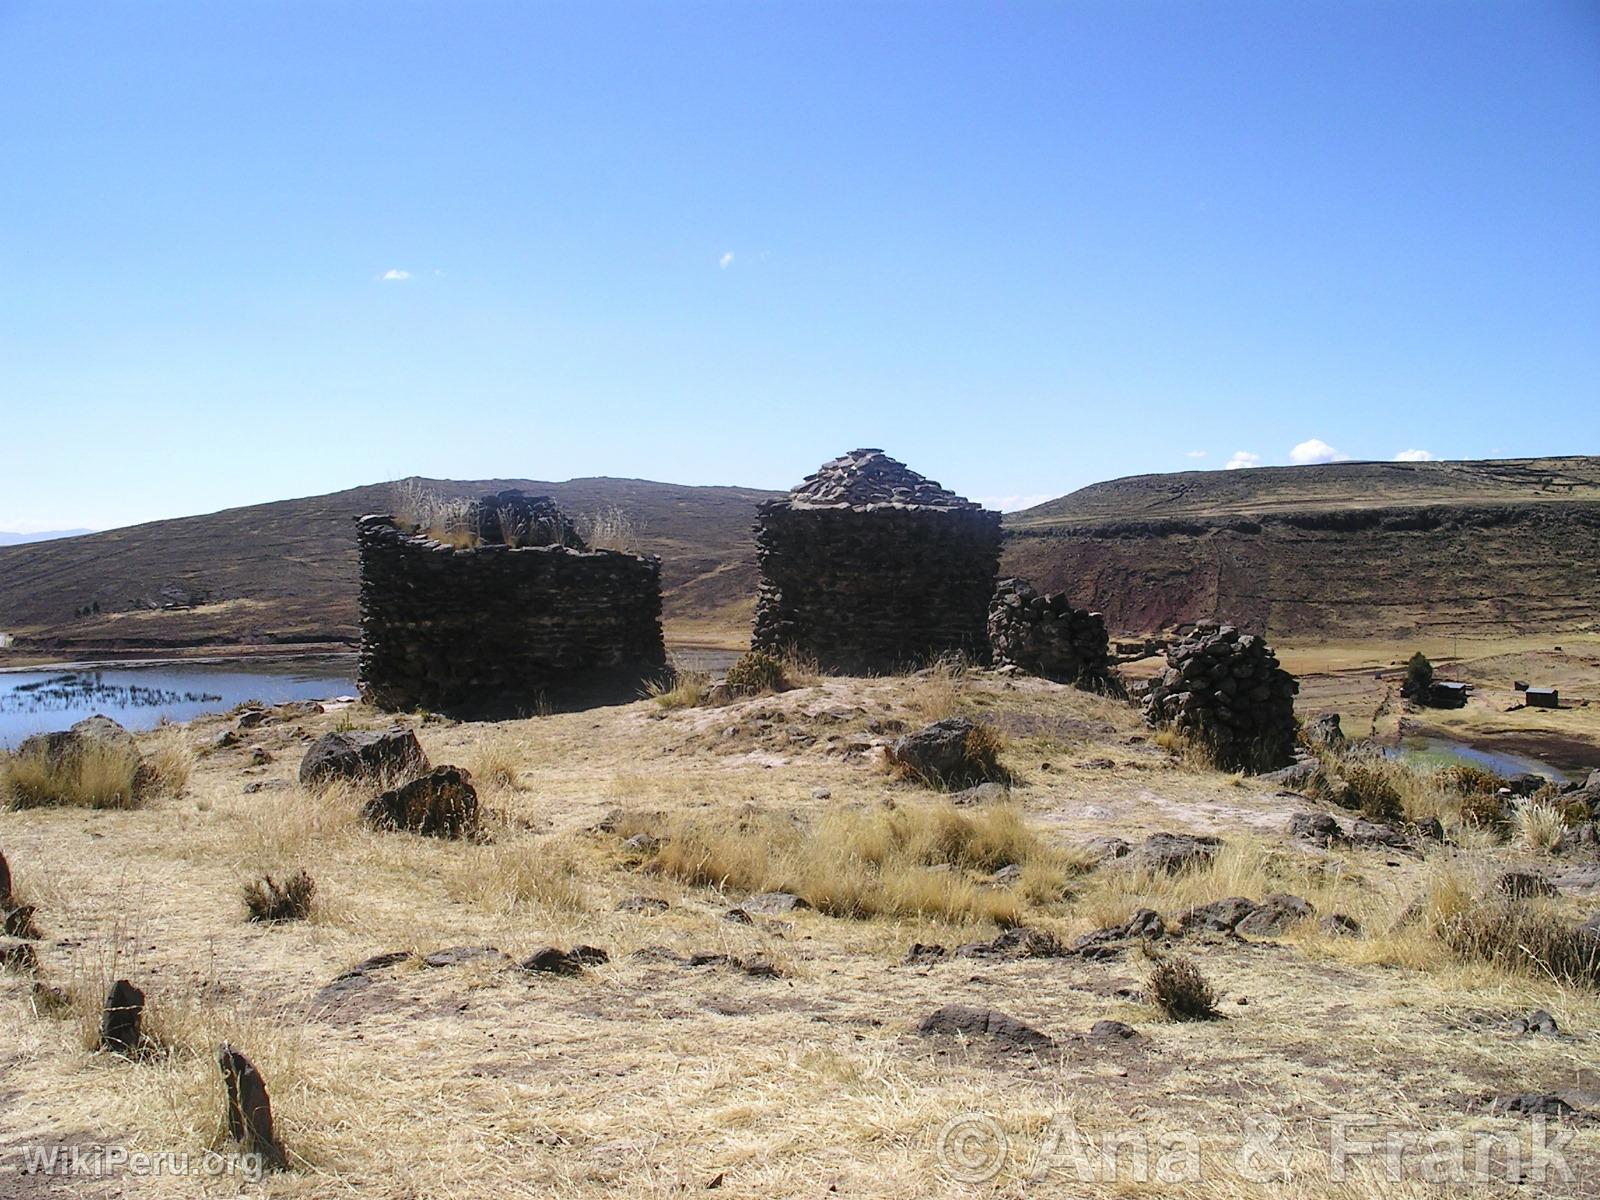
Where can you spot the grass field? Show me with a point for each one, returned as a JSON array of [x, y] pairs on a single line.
[[791, 1067]]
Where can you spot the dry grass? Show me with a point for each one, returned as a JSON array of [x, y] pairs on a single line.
[[495, 763], [98, 776], [1539, 825], [1525, 937], [910, 860], [445, 519], [682, 688], [938, 691], [611, 528], [756, 673], [522, 878]]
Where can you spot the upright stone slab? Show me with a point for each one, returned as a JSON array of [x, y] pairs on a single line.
[[498, 629], [869, 568]]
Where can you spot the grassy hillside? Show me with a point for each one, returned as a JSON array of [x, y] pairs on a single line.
[[286, 572], [1355, 485], [1336, 551]]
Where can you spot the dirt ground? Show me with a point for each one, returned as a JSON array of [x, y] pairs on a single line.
[[647, 1077]]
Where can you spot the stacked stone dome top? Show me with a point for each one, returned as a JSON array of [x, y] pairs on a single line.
[[866, 479]]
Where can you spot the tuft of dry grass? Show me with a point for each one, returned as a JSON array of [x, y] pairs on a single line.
[[1539, 825], [269, 901], [909, 860], [1176, 987], [756, 673], [168, 763], [494, 764], [445, 519], [681, 688], [938, 691], [611, 528], [97, 776]]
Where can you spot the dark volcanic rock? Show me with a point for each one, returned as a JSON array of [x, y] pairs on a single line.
[[442, 803], [1275, 914], [1316, 827], [1220, 916], [389, 753], [966, 1021], [456, 956], [923, 954], [1339, 925], [1112, 1031], [1172, 853], [938, 753], [769, 904]]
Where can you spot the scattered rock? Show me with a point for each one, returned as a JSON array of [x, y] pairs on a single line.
[[121, 1018], [1274, 915], [642, 904], [249, 1114], [1220, 916], [442, 803], [389, 753], [1323, 731], [225, 740], [549, 960], [266, 785], [260, 757], [924, 954], [738, 916], [1429, 829], [942, 754], [17, 955], [1174, 853], [1106, 943], [771, 904], [759, 967], [1580, 880], [1112, 1031], [1316, 827], [1008, 876], [457, 956], [1538, 1021], [1105, 849], [1014, 943], [967, 1021], [821, 793], [983, 793], [1339, 925], [1369, 833], [1297, 776], [64, 749]]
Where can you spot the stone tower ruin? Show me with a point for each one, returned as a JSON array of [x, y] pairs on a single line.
[[522, 616], [868, 568]]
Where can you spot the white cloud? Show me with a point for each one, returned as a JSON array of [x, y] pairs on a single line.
[[1315, 451], [726, 259], [1242, 458], [395, 275], [1011, 503], [1416, 456], [1194, 453]]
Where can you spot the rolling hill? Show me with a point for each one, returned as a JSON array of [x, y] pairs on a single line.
[[285, 572], [1345, 550]]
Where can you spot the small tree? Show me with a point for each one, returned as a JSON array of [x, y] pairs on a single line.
[[1419, 678]]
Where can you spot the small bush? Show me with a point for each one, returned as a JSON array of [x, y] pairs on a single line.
[[1468, 780], [611, 528], [270, 901], [754, 673], [1178, 989], [1373, 790], [1485, 811], [1523, 937], [495, 764], [168, 763]]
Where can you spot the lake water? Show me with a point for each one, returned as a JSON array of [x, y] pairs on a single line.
[[1429, 750], [141, 695]]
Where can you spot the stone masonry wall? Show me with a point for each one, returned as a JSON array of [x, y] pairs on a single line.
[[1226, 690], [1045, 636], [869, 568], [495, 630]]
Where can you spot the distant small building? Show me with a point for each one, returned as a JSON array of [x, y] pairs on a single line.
[[1448, 695], [1542, 698]]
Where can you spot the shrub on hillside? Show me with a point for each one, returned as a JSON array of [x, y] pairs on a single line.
[[755, 672], [1419, 678], [1178, 989], [269, 901]]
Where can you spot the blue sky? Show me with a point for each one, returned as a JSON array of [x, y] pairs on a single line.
[[250, 251]]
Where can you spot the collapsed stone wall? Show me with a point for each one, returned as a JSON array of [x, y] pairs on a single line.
[[495, 630], [1044, 635], [1227, 690], [868, 568]]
